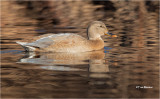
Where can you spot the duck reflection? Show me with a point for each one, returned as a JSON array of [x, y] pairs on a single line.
[[95, 61]]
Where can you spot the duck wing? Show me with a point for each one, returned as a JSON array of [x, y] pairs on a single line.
[[40, 43]]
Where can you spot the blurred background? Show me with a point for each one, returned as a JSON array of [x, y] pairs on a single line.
[[132, 60]]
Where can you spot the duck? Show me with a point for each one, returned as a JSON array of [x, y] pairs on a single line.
[[69, 42]]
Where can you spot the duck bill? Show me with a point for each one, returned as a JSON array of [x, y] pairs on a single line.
[[110, 34]]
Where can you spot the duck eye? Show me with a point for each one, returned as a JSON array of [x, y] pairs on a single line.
[[101, 26]]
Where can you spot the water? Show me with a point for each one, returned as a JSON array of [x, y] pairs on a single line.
[[126, 62]]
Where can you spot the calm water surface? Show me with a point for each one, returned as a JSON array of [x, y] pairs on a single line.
[[126, 62]]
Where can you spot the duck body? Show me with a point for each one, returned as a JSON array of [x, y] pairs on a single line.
[[63, 42], [68, 42]]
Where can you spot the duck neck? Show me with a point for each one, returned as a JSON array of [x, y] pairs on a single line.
[[96, 44]]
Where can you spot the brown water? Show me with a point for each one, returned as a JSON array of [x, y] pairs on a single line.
[[126, 62]]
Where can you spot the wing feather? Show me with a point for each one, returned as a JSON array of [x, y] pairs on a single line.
[[41, 43]]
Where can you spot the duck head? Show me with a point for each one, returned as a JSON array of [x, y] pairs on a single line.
[[97, 29]]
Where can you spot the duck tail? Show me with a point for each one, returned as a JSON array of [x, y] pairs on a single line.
[[26, 47]]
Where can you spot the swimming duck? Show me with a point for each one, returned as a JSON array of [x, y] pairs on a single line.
[[69, 42]]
